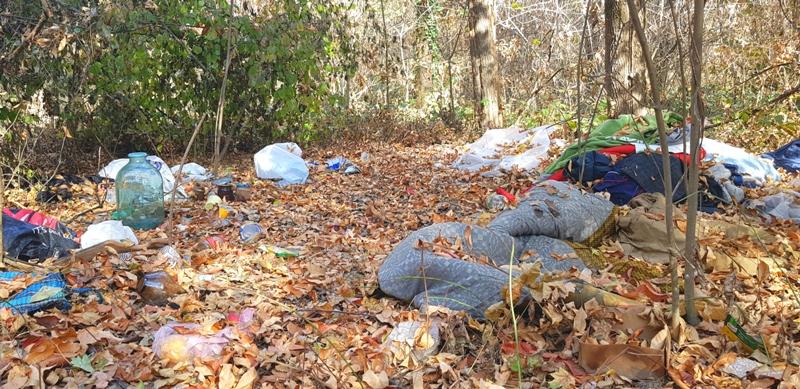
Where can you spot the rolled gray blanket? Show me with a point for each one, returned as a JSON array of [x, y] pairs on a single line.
[[549, 214]]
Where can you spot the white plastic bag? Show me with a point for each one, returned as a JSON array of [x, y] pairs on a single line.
[[107, 230], [500, 148], [111, 170], [192, 171], [282, 162]]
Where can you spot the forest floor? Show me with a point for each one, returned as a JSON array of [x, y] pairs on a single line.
[[319, 319]]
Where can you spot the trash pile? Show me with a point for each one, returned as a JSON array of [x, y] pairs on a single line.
[[270, 276]]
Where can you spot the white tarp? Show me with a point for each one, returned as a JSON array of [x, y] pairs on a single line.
[[504, 148]]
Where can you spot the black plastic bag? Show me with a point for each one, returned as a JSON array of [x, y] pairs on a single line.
[[25, 241]]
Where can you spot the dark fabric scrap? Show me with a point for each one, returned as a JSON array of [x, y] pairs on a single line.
[[594, 164], [648, 171], [787, 157]]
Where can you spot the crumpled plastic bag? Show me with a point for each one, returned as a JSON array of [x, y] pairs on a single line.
[[342, 164], [281, 161], [193, 172], [111, 170], [499, 149], [107, 230], [782, 206], [186, 345]]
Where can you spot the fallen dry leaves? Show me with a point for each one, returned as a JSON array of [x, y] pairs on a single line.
[[318, 319]]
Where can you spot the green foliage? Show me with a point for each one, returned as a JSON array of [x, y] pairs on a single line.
[[141, 75], [165, 67]]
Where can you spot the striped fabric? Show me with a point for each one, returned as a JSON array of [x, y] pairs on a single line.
[[50, 291]]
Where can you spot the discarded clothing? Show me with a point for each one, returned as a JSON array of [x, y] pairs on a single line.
[[787, 157], [615, 132], [59, 188], [643, 237], [548, 219], [648, 172], [50, 291], [781, 206], [757, 168], [594, 166], [621, 187]]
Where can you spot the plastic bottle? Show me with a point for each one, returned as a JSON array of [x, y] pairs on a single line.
[[140, 194]]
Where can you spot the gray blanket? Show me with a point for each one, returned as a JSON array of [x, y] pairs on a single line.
[[548, 215]]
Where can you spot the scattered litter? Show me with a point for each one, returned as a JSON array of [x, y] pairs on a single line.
[[342, 164], [741, 367], [25, 241], [250, 232], [415, 339], [225, 191], [735, 333], [279, 251], [211, 242], [192, 172], [502, 149], [242, 192], [281, 162], [111, 170], [107, 230], [156, 288], [183, 342]]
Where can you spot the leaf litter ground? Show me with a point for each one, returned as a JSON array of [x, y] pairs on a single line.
[[319, 320]]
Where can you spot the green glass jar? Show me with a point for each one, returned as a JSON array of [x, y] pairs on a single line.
[[140, 194]]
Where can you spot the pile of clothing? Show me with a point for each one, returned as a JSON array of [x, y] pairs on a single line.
[[620, 157]]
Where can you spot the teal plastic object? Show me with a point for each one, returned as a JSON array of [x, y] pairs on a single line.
[[140, 194]]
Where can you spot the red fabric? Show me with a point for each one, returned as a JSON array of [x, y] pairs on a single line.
[[619, 150], [557, 176], [32, 217], [505, 194]]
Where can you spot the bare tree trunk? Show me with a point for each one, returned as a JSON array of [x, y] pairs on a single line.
[[485, 70], [698, 117], [422, 75], [385, 57], [625, 63], [655, 93]]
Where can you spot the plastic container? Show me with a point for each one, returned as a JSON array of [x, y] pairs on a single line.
[[157, 287], [242, 192], [226, 192], [211, 242], [250, 232], [496, 201], [140, 194]]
